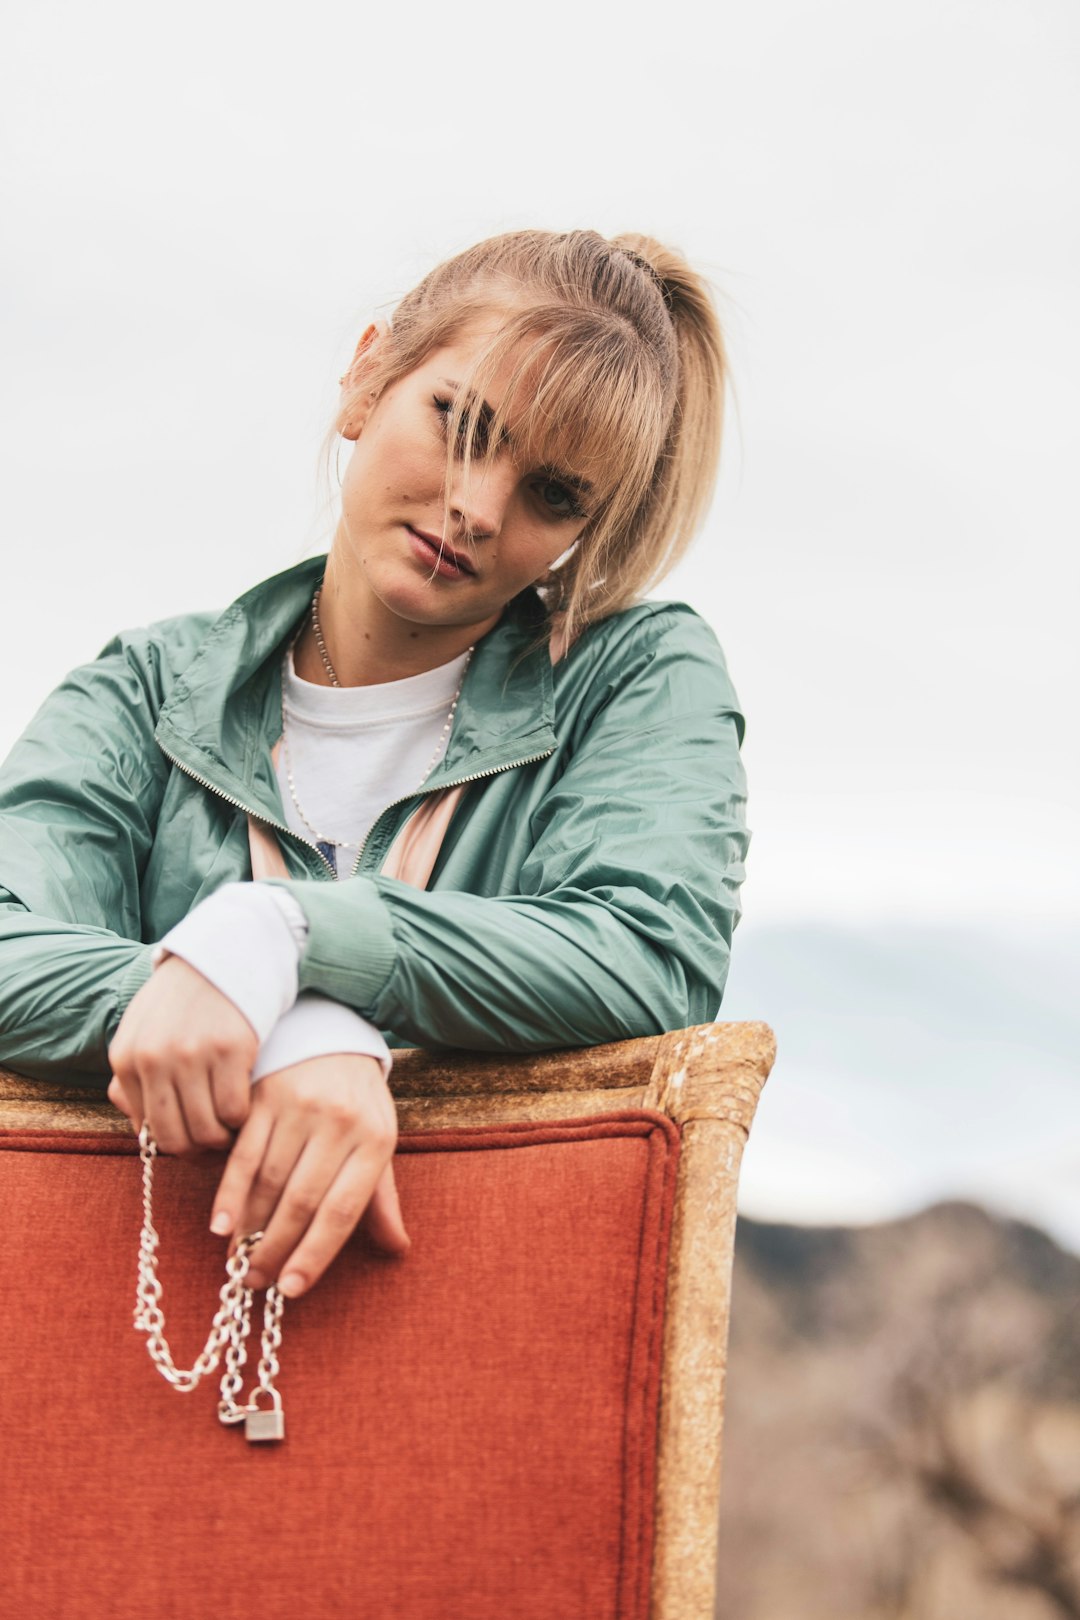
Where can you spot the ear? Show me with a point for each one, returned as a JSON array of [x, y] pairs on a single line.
[[361, 400]]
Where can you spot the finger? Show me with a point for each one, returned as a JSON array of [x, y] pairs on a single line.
[[151, 1080], [234, 1188], [286, 1147], [382, 1222], [230, 1083], [119, 1048], [204, 1128], [333, 1224], [314, 1173], [127, 1098], [165, 1119]]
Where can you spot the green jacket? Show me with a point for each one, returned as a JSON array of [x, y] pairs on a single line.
[[586, 889]]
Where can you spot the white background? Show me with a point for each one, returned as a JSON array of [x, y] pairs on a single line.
[[201, 210]]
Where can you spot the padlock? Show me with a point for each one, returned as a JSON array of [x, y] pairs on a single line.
[[268, 1425]]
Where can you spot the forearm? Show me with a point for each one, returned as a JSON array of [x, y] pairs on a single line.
[[445, 969], [79, 797], [63, 989]]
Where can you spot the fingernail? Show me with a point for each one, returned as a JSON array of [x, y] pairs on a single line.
[[291, 1284], [221, 1225]]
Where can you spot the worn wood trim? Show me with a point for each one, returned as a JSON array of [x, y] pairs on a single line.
[[444, 1113], [585, 1068], [655, 1062], [36, 1105], [420, 1077], [68, 1109], [708, 1080]]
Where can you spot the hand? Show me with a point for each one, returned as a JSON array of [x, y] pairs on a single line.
[[313, 1158], [181, 1059]]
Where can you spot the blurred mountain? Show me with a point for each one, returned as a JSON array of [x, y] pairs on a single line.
[[902, 1434]]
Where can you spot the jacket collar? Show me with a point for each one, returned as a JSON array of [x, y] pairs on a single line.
[[223, 714]]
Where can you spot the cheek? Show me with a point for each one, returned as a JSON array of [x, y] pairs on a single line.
[[391, 463], [554, 541], [537, 558]]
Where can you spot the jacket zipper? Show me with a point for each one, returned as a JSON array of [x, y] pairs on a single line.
[[461, 781], [248, 811]]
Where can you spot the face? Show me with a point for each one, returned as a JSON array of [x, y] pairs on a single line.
[[431, 558]]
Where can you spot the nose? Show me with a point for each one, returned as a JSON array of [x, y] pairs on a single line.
[[480, 498]]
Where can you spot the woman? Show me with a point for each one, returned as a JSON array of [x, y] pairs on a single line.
[[489, 802]]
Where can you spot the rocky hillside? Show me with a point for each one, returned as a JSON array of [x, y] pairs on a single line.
[[903, 1423]]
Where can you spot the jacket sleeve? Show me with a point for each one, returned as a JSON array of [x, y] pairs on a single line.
[[79, 798], [625, 905]]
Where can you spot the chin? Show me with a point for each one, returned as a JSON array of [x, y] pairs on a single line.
[[427, 608]]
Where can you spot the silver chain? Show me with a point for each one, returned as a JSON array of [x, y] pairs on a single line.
[[228, 1331]]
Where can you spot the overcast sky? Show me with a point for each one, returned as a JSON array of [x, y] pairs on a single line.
[[203, 208]]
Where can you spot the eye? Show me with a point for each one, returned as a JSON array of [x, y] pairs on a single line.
[[559, 501], [444, 407]]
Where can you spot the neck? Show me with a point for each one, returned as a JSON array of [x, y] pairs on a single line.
[[368, 644]]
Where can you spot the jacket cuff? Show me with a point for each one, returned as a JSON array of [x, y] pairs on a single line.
[[350, 951], [132, 979]]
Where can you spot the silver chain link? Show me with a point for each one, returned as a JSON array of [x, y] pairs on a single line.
[[232, 1320]]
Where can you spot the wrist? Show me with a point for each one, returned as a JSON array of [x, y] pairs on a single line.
[[316, 1026], [242, 941]]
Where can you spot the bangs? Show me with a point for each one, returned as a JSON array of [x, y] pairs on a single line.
[[578, 397]]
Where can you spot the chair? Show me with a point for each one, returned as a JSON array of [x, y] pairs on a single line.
[[519, 1421]]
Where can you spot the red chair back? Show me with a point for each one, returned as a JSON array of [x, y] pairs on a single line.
[[471, 1431]]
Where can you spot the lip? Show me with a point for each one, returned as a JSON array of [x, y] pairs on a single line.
[[433, 551]]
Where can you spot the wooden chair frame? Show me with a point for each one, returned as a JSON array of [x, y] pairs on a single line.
[[707, 1080]]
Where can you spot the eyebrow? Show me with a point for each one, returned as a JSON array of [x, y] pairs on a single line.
[[486, 415]]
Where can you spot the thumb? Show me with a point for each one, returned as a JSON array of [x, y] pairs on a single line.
[[382, 1220]]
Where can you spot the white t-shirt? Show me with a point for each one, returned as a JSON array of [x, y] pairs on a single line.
[[353, 750]]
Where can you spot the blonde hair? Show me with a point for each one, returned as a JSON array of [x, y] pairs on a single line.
[[619, 349]]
